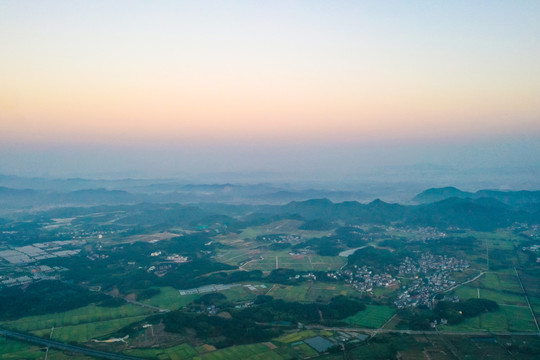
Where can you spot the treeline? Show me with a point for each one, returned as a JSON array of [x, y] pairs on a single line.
[[47, 297], [252, 324], [218, 331], [454, 313], [267, 309], [457, 312], [377, 259]]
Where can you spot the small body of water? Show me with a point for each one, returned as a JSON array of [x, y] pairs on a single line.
[[349, 252]]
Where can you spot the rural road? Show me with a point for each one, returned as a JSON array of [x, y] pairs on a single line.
[[63, 346], [422, 332]]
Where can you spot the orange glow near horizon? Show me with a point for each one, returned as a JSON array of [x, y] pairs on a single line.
[[347, 72]]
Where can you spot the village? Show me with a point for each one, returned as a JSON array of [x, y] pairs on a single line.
[[420, 280], [436, 270]]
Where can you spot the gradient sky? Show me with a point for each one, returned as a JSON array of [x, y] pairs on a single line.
[[206, 78]]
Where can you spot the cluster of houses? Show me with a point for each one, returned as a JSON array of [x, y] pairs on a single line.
[[307, 276], [281, 239], [534, 249], [363, 279], [420, 233], [436, 270], [429, 263]]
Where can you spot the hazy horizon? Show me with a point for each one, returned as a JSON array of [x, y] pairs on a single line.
[[307, 91]]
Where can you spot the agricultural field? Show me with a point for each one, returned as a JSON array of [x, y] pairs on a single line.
[[309, 292], [305, 351], [82, 324], [374, 316], [499, 239], [395, 272], [287, 227], [302, 335], [267, 260], [253, 351], [179, 352], [11, 349], [531, 284], [501, 297], [237, 257], [17, 350], [507, 318], [501, 281], [169, 298]]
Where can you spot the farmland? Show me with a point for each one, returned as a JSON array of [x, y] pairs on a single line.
[[374, 316]]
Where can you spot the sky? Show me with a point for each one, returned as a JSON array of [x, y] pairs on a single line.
[[165, 88]]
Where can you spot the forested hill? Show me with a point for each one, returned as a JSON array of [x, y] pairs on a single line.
[[478, 214], [526, 200]]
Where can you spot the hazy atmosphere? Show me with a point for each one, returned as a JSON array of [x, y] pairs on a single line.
[[302, 89]]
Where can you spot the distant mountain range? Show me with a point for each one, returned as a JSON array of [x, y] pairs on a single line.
[[478, 214], [440, 207], [14, 198], [524, 200]]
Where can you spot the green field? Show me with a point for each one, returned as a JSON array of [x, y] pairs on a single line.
[[309, 292], [500, 297], [535, 304], [288, 227], [503, 297], [298, 293], [500, 239], [531, 284], [374, 316], [170, 298], [235, 257], [179, 352], [507, 318], [82, 324], [499, 281], [503, 288], [244, 250], [305, 351], [16, 350], [253, 351], [11, 349], [272, 260]]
